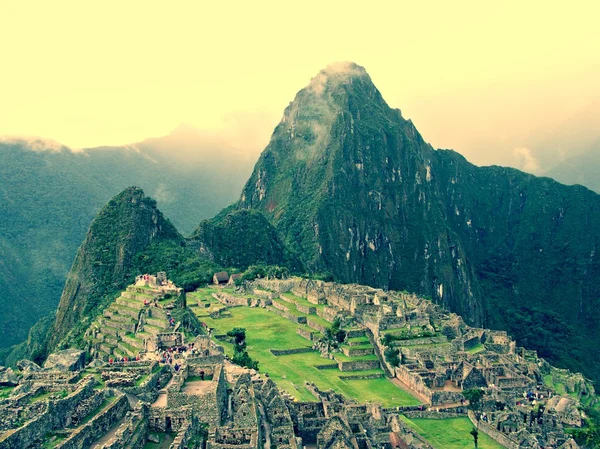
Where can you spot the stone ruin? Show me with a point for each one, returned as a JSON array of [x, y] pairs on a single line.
[[207, 402]]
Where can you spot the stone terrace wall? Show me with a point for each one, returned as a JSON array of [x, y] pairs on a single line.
[[99, 425], [149, 384], [327, 313], [413, 382], [307, 334], [358, 365], [278, 352], [230, 300], [446, 397], [57, 416], [277, 285]]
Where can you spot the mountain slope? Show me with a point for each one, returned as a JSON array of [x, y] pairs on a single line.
[[353, 188], [50, 194], [346, 181], [127, 225], [240, 238]]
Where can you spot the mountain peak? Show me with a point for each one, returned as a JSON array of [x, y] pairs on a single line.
[[335, 74]]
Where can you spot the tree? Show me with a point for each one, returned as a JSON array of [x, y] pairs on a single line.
[[475, 434], [238, 334], [474, 396], [240, 355], [392, 356]]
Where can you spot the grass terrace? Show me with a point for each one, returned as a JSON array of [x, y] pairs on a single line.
[[266, 330], [452, 433]]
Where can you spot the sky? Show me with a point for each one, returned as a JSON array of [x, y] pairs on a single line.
[[503, 82]]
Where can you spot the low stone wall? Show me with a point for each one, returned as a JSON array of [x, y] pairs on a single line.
[[230, 300], [132, 432], [446, 397], [362, 377], [353, 333], [358, 365], [431, 414], [306, 334], [315, 325], [329, 366], [357, 352], [149, 384], [414, 382], [419, 341], [309, 310], [327, 313], [279, 352], [288, 316]]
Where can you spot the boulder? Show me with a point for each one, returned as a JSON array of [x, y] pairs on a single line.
[[67, 360], [8, 378], [28, 365], [566, 409]]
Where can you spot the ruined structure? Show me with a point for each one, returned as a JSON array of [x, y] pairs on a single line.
[[199, 399]]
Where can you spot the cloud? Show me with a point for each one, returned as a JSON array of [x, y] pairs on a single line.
[[338, 71], [526, 161], [163, 195], [35, 143]]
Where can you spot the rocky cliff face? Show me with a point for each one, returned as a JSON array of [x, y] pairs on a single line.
[[354, 189], [348, 183], [104, 261]]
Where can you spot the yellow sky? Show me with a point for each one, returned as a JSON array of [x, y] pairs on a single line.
[[483, 77]]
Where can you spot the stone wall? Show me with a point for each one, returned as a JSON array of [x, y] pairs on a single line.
[[278, 352], [413, 382], [358, 365], [132, 432], [85, 435], [446, 397], [361, 377], [315, 325], [150, 383], [498, 436], [432, 414], [309, 335], [357, 352], [327, 313], [184, 434], [230, 300], [309, 310]]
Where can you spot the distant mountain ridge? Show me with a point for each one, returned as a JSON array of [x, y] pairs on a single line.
[[50, 194]]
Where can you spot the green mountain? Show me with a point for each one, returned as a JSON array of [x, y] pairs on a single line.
[[104, 264], [50, 194], [240, 238], [353, 189]]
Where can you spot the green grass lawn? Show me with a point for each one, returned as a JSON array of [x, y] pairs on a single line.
[[452, 433], [266, 330], [475, 349], [303, 301]]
